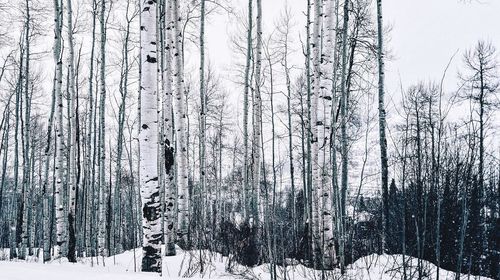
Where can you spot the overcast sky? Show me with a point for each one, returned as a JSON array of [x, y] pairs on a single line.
[[425, 34]]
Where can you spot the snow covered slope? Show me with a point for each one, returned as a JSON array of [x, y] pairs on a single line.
[[186, 264]]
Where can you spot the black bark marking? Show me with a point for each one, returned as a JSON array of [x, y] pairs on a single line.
[[152, 179], [150, 59], [169, 158]]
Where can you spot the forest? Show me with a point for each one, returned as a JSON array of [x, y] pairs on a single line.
[[245, 134]]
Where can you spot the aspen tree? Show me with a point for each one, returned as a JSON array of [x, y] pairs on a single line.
[[26, 184], [180, 121], [343, 135], [381, 119], [4, 145], [91, 132], [101, 236], [316, 182], [203, 105], [257, 122], [59, 167], [168, 137], [148, 141], [246, 167], [71, 138], [308, 188], [326, 80]]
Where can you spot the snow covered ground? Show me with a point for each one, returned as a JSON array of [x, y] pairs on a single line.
[[186, 264]]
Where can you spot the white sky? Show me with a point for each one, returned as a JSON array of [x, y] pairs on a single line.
[[425, 34]]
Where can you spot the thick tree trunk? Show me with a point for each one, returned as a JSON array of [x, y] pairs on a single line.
[[315, 122], [325, 127], [148, 141]]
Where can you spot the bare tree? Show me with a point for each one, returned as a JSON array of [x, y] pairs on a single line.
[[148, 140]]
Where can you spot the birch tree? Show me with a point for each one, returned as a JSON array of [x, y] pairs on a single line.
[[102, 138], [257, 122], [59, 185], [168, 137], [71, 138], [343, 134], [148, 140], [316, 182], [203, 105], [180, 121], [325, 127], [381, 124], [246, 185]]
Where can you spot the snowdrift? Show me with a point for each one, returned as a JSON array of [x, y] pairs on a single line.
[[186, 264]]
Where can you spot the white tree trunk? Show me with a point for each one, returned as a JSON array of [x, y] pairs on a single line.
[[316, 172], [168, 137], [148, 141], [180, 121], [71, 138], [47, 195], [246, 185], [60, 166], [381, 124], [101, 236], [257, 121], [324, 127], [203, 116]]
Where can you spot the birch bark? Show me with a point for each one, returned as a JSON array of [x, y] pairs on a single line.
[[381, 125], [325, 128], [101, 236], [203, 101], [246, 185], [180, 121], [148, 141], [168, 137], [72, 137], [316, 182], [59, 162], [257, 120], [343, 135]]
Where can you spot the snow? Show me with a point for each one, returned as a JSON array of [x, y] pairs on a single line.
[[186, 264]]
